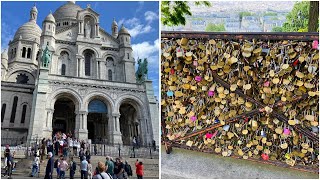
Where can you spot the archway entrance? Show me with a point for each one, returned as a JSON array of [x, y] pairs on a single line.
[[97, 121], [129, 124], [63, 116]]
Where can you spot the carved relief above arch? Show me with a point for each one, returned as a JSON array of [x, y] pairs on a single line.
[[96, 52], [64, 92], [65, 48], [100, 96]]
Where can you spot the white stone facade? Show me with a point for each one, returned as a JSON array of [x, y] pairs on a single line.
[[88, 64]]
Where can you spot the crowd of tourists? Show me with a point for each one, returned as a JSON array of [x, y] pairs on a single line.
[[109, 169], [69, 150]]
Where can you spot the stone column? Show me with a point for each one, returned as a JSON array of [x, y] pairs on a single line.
[[19, 47], [34, 53], [47, 129], [117, 137], [81, 125], [84, 121]]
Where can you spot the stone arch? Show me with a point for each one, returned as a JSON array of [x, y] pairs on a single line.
[[134, 101], [84, 14], [135, 122], [65, 92], [65, 48], [12, 75], [98, 95], [108, 54], [96, 52]]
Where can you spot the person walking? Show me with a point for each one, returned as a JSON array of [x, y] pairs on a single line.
[[89, 170], [57, 165], [35, 166], [109, 165], [95, 150], [84, 168], [73, 168], [101, 172], [88, 155], [127, 169], [119, 172], [43, 149], [49, 167], [63, 168], [139, 169], [9, 165]]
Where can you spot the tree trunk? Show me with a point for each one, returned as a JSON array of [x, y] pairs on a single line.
[[313, 16]]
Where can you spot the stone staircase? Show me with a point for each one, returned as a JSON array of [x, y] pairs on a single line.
[[151, 167]]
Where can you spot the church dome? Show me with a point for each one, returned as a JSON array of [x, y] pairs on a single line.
[[50, 18], [29, 31], [67, 11], [123, 30]]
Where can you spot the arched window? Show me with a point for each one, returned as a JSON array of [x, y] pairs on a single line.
[[49, 26], [110, 75], [29, 53], [14, 109], [87, 58], [15, 51], [63, 69], [23, 116], [3, 111], [24, 50]]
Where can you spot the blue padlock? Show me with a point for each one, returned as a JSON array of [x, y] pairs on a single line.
[[169, 93]]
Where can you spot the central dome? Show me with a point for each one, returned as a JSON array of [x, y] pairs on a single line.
[[67, 11]]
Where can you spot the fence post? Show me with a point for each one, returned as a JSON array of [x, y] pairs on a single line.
[[119, 150], [150, 150]]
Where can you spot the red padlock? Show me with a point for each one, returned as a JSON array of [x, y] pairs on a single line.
[[172, 71], [265, 156]]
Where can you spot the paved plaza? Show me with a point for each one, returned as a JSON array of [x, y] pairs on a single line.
[[210, 166]]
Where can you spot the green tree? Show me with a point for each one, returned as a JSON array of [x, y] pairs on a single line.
[[297, 19], [215, 27], [277, 29], [173, 13]]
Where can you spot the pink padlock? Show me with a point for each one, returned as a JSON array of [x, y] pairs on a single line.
[[286, 131], [210, 93], [266, 84], [193, 118], [195, 63], [315, 44], [198, 78], [209, 135]]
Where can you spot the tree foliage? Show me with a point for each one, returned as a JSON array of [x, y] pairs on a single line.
[[297, 19], [215, 27], [173, 13], [277, 29]]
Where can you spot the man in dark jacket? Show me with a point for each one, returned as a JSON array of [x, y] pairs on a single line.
[[49, 168], [73, 168]]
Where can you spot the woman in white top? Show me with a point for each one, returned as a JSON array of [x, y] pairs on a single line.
[[35, 165]]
